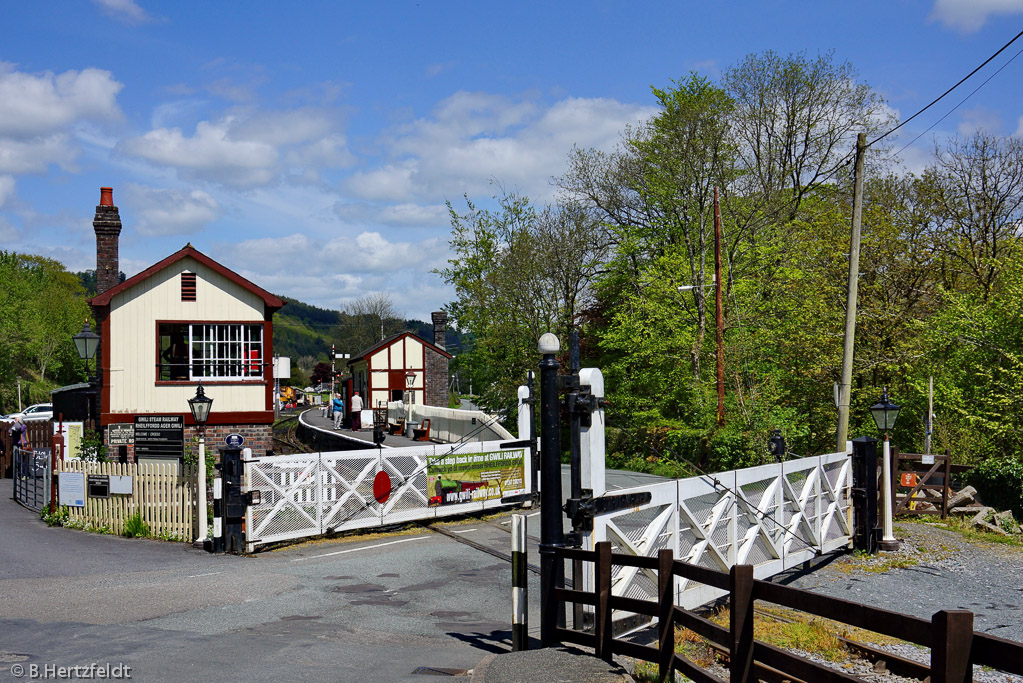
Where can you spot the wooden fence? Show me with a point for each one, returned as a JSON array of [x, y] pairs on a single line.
[[40, 435], [162, 494], [955, 646]]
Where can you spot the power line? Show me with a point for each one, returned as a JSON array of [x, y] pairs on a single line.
[[942, 95]]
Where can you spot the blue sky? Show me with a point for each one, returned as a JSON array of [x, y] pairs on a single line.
[[311, 146]]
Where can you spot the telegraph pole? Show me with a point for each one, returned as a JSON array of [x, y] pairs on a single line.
[[720, 319], [850, 309]]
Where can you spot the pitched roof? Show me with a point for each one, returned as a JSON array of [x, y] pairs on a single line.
[[390, 340], [270, 300]]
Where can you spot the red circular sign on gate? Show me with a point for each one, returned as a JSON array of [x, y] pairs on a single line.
[[382, 486]]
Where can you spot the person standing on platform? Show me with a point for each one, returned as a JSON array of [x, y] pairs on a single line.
[[356, 412], [339, 410]]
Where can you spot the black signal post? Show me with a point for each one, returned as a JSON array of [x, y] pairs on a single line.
[[552, 535]]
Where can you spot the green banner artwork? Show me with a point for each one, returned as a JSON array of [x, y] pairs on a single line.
[[475, 477]]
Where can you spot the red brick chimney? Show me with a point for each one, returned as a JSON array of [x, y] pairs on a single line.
[[107, 225]]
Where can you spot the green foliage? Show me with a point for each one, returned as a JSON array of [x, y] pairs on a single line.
[[59, 517], [136, 527], [999, 481], [93, 449], [41, 307]]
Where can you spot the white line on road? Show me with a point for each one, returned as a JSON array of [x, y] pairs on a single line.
[[533, 515], [461, 531], [195, 576], [365, 547]]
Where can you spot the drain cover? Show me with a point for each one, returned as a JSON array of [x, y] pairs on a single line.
[[435, 671]]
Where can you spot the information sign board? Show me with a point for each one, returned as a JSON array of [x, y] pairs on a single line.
[[159, 436], [71, 489], [121, 434]]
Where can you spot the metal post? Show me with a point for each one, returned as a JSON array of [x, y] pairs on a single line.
[[865, 493], [520, 586], [718, 315], [888, 541], [552, 569]]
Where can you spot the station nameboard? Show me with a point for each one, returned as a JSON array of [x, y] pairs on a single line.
[[159, 436], [121, 434]]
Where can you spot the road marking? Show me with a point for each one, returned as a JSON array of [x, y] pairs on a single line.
[[195, 576], [462, 531], [533, 515], [365, 547]]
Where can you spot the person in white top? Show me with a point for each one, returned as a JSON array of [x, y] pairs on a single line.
[[356, 412]]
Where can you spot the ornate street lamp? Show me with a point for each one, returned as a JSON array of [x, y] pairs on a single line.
[[200, 406], [885, 414], [86, 344]]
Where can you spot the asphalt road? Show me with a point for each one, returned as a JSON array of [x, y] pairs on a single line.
[[365, 608]]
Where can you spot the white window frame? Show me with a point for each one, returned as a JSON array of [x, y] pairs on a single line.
[[224, 352]]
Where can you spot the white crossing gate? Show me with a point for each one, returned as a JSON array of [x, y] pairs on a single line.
[[319, 493], [772, 516]]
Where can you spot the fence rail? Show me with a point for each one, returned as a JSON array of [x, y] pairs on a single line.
[[955, 647], [162, 494]]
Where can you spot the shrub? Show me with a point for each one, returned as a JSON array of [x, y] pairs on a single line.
[[135, 527], [999, 481], [59, 517]]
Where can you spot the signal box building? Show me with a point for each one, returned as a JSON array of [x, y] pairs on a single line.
[[184, 320]]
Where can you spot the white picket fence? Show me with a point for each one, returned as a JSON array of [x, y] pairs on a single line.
[[773, 516], [318, 493]]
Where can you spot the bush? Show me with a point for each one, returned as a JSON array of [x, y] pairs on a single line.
[[999, 481], [59, 517], [675, 451], [135, 527]]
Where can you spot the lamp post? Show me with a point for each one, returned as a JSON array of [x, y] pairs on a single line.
[[86, 344], [200, 407], [885, 413]]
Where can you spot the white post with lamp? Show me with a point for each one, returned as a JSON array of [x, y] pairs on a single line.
[[200, 407], [885, 413]]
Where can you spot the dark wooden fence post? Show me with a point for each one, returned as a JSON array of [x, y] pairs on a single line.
[[951, 640], [948, 483], [602, 611], [740, 623], [665, 613]]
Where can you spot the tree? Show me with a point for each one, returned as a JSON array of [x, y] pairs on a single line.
[[518, 272], [366, 321], [974, 194]]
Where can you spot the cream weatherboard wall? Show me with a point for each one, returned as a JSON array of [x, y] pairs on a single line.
[[133, 344], [404, 354]]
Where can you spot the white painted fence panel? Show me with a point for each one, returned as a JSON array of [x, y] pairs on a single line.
[[772, 516], [318, 493]]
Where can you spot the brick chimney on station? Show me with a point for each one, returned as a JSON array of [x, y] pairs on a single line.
[[437, 364], [440, 321], [107, 225]]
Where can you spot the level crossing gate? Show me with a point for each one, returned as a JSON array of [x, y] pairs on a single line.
[[320, 493]]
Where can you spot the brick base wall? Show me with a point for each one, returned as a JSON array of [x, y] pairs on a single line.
[[436, 379]]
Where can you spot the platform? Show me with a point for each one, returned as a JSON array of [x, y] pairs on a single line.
[[313, 418]]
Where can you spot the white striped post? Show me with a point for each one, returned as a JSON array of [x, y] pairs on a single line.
[[520, 601], [218, 523]]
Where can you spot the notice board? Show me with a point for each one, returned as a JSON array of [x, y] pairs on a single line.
[[159, 436]]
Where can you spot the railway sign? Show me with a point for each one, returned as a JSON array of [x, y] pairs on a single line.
[[234, 440]]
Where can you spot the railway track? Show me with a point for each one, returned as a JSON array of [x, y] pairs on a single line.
[[289, 441]]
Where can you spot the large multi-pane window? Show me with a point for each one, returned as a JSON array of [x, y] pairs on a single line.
[[191, 351]]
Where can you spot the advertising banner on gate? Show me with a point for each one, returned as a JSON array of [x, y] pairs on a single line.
[[475, 477]]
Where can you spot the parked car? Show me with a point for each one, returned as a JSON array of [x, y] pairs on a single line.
[[39, 411]]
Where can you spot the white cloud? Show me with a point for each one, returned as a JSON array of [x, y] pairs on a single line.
[[405, 214], [160, 211], [247, 148], [124, 10], [1019, 128], [969, 16], [978, 119], [6, 188], [473, 138], [38, 113]]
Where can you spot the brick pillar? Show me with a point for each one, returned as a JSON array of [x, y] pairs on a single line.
[[107, 225], [437, 364], [440, 320]]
